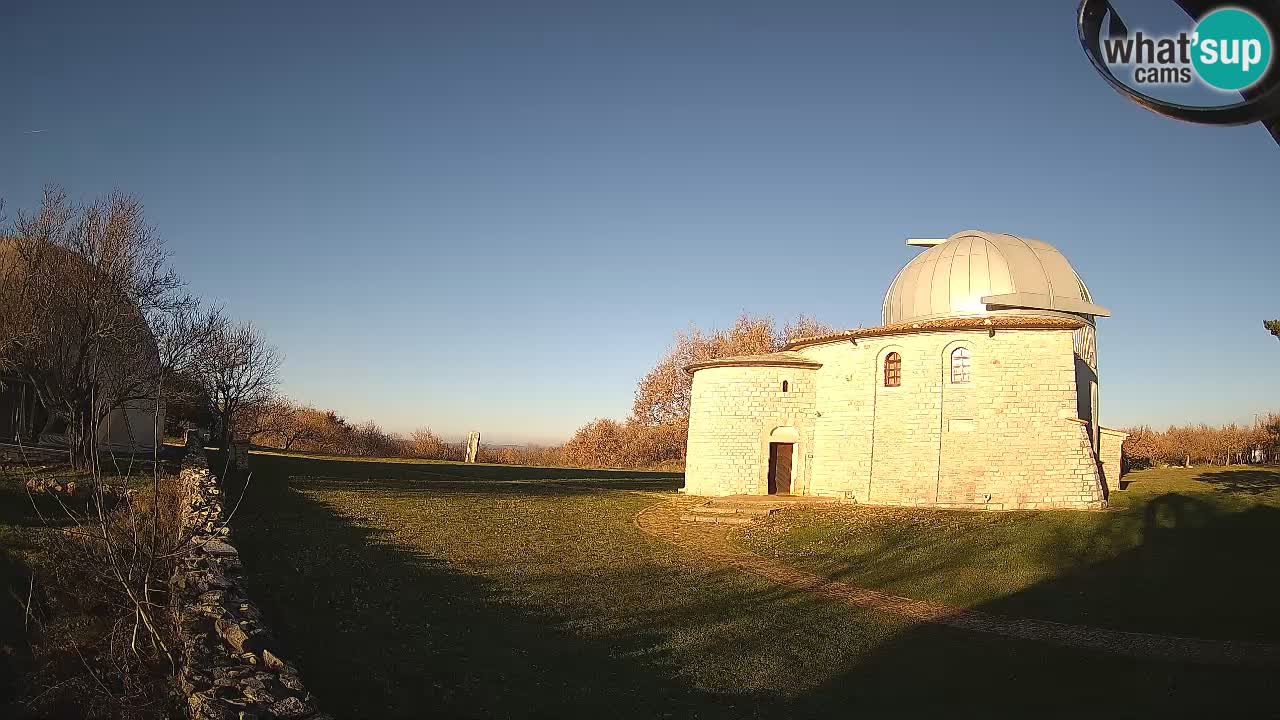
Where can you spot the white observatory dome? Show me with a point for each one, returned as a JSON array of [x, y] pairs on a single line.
[[974, 273]]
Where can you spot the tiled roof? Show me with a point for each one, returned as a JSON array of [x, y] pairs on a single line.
[[991, 322], [777, 359]]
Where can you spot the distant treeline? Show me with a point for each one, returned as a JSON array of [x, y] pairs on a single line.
[[1202, 444], [653, 437], [286, 425], [606, 443]]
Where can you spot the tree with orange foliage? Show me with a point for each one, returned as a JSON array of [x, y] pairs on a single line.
[[287, 425], [662, 396], [655, 433], [427, 445], [600, 443], [1143, 448]]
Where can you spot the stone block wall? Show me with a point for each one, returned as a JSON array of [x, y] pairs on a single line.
[[1008, 439], [1004, 440], [733, 412], [1110, 452], [231, 668]]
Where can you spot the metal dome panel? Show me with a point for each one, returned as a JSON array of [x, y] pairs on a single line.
[[980, 273]]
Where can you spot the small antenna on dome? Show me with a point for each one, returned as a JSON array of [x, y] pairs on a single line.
[[925, 242]]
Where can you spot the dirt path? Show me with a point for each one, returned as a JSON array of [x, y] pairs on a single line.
[[661, 520]]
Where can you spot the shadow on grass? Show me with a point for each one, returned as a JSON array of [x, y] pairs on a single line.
[[380, 630], [356, 469], [17, 519], [1195, 565], [533, 488], [15, 651], [1198, 567], [1246, 482], [376, 475]]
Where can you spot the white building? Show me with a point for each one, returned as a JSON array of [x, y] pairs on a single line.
[[980, 390]]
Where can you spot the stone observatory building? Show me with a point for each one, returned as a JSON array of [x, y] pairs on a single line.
[[980, 391]]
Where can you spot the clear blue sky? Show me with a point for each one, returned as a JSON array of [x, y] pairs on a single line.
[[493, 215]]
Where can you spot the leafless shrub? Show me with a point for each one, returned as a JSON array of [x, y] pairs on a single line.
[[237, 371], [104, 626], [95, 321], [427, 445], [99, 616]]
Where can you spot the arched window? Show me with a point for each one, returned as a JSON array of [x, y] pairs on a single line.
[[960, 365], [785, 386], [892, 370]]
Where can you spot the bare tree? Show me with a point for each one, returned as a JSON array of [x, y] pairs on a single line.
[[270, 423], [238, 373], [11, 325], [93, 318], [186, 336], [85, 283], [114, 549]]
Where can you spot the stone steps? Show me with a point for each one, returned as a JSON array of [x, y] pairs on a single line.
[[746, 509], [755, 511], [718, 519], [721, 512]]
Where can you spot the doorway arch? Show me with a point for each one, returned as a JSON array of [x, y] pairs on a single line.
[[782, 445], [784, 434]]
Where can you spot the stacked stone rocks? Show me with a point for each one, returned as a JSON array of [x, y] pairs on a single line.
[[231, 669]]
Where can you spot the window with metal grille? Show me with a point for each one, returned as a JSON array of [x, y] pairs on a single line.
[[892, 370], [960, 365]]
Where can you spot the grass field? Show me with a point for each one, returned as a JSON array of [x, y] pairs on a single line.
[[1183, 551], [432, 589]]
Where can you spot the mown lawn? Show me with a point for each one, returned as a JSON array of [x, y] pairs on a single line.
[[1183, 551], [437, 590]]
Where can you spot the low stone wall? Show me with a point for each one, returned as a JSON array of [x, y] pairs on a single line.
[[1111, 455], [230, 667]]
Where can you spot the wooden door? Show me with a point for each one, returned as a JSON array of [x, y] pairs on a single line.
[[780, 468]]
